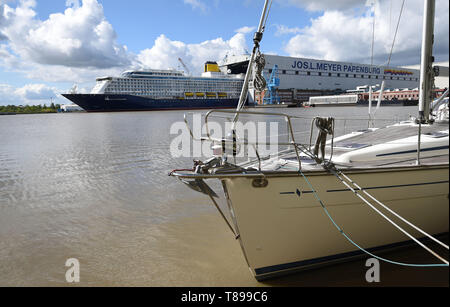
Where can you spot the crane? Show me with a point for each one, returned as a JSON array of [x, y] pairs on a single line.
[[185, 67], [272, 85]]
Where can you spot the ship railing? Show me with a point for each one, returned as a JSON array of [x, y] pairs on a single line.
[[301, 149], [233, 140]]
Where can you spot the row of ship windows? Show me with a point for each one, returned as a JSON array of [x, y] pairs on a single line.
[[230, 86], [170, 94], [320, 74], [398, 96], [209, 88], [155, 74], [172, 82], [151, 89], [168, 90]]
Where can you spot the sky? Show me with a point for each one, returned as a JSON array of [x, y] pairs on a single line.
[[48, 46]]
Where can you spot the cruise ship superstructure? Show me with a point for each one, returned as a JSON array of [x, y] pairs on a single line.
[[145, 90]]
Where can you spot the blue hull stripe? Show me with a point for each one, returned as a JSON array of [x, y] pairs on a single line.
[[392, 186], [300, 264], [413, 151]]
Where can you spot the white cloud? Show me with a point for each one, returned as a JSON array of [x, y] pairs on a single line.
[[72, 47], [73, 3], [7, 95], [283, 30], [165, 52], [332, 36], [30, 94], [36, 92], [65, 74], [196, 4], [246, 30], [79, 37], [322, 5], [347, 35], [6, 56]]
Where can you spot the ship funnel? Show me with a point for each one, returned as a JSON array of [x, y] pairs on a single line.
[[211, 67]]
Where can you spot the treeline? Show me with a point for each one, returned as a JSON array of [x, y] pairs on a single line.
[[53, 108]]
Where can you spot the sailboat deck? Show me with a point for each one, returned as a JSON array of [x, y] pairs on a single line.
[[388, 134], [310, 166]]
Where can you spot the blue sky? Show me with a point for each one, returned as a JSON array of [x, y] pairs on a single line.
[[139, 22], [47, 46]]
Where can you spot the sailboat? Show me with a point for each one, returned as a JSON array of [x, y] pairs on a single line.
[[342, 197]]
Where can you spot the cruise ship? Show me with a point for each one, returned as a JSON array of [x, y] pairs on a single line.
[[148, 90]]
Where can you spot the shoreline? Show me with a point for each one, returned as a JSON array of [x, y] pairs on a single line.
[[6, 114]]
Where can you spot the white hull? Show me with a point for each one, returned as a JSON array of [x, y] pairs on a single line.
[[283, 228]]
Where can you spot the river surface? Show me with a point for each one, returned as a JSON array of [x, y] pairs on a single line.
[[95, 187]]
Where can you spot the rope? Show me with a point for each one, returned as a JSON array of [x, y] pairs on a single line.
[[355, 244], [260, 82], [388, 219], [326, 126], [256, 40], [393, 212]]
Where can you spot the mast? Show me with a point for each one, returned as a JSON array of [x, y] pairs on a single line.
[[426, 68]]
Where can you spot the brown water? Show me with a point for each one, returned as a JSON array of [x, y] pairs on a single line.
[[95, 187]]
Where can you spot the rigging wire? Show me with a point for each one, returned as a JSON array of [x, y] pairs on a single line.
[[390, 54], [396, 33], [391, 211], [267, 17], [337, 173], [371, 61], [355, 244], [373, 34]]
